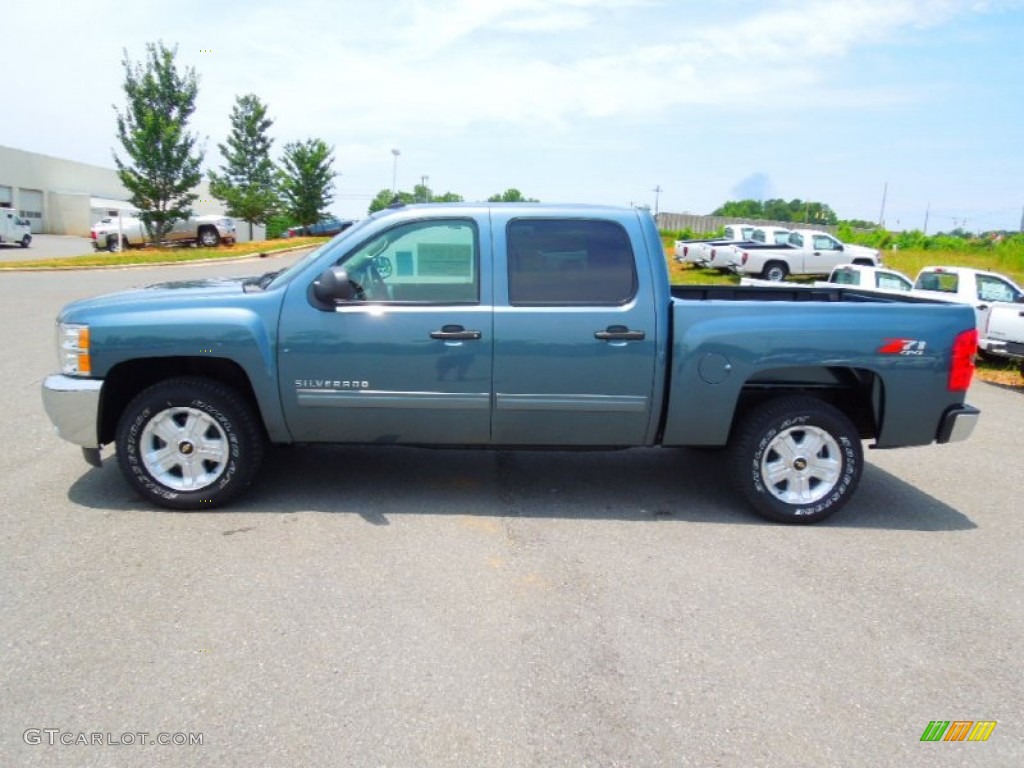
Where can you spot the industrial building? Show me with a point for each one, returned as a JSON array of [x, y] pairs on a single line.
[[65, 197]]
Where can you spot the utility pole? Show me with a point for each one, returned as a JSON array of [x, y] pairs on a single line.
[[1022, 219], [881, 216], [394, 172], [927, 210], [426, 192], [657, 195]]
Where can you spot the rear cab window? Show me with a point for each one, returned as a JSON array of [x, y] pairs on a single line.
[[578, 262]]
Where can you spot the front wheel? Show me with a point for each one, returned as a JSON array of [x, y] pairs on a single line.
[[775, 271], [25, 241], [208, 238], [189, 443], [797, 459]]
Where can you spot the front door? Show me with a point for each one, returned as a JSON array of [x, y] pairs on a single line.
[[408, 359]]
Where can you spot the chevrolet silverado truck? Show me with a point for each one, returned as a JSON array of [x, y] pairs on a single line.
[[809, 252], [507, 326], [208, 231]]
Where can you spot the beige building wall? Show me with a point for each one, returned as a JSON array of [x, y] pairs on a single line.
[[66, 188]]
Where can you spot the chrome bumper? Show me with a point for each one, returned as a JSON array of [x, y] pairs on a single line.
[[957, 423], [73, 406]]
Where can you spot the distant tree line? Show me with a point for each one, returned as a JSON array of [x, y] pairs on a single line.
[[777, 209]]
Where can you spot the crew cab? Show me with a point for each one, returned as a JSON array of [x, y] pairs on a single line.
[[809, 252], [512, 326], [208, 231]]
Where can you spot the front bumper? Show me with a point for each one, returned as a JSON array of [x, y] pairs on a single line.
[[957, 423], [73, 405]]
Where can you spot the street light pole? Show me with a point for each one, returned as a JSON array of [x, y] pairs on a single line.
[[426, 192], [657, 194], [394, 172]]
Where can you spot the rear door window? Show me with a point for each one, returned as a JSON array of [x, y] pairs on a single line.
[[569, 261]]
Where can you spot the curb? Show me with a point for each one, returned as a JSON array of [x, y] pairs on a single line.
[[224, 260]]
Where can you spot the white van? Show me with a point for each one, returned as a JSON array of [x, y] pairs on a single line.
[[14, 229]]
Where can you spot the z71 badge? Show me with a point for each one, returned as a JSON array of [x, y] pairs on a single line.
[[902, 347]]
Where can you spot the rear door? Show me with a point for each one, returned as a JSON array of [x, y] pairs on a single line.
[[575, 333]]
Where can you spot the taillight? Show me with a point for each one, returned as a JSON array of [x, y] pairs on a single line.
[[686, 250], [92, 234], [961, 367], [712, 254], [743, 258]]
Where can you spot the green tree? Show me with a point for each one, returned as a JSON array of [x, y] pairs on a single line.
[[777, 209], [420, 194], [306, 180], [246, 183], [511, 195], [162, 166]]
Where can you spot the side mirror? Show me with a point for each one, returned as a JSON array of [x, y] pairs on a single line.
[[334, 285]]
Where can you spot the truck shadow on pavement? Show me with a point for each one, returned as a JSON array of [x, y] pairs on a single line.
[[641, 485]]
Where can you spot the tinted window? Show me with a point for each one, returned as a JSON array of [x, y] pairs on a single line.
[[426, 262], [846, 277], [556, 261], [822, 243], [796, 239], [946, 282]]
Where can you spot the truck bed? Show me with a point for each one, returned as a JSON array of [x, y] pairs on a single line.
[[791, 293]]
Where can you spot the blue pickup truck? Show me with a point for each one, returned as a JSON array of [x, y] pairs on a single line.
[[507, 326]]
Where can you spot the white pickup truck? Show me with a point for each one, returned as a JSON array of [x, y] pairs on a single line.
[[877, 279], [809, 252], [14, 229], [208, 231], [694, 251], [985, 291], [720, 257], [1004, 332]]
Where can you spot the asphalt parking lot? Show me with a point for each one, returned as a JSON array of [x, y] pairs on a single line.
[[403, 607], [47, 247]]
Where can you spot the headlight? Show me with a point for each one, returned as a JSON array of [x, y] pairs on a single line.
[[74, 350]]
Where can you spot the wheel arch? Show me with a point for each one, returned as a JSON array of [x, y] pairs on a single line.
[[858, 392], [125, 380]]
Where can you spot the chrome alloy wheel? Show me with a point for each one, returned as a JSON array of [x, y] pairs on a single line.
[[801, 465], [184, 449]]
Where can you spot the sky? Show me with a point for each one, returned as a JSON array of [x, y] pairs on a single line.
[[592, 101]]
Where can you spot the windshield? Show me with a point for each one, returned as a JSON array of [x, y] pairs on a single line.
[[339, 242]]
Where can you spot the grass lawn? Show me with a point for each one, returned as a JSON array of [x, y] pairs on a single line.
[[171, 255]]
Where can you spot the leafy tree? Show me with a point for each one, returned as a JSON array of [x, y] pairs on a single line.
[[511, 195], [795, 210], [307, 179], [246, 182], [162, 166], [420, 194]]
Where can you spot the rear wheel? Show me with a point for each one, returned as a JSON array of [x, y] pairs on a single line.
[[189, 443], [797, 459], [114, 245], [775, 271], [208, 237]]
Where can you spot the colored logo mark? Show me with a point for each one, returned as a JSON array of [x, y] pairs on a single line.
[[958, 730]]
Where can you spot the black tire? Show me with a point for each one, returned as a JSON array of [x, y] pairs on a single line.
[[25, 241], [114, 246], [202, 416], [803, 488], [775, 271], [209, 237]]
